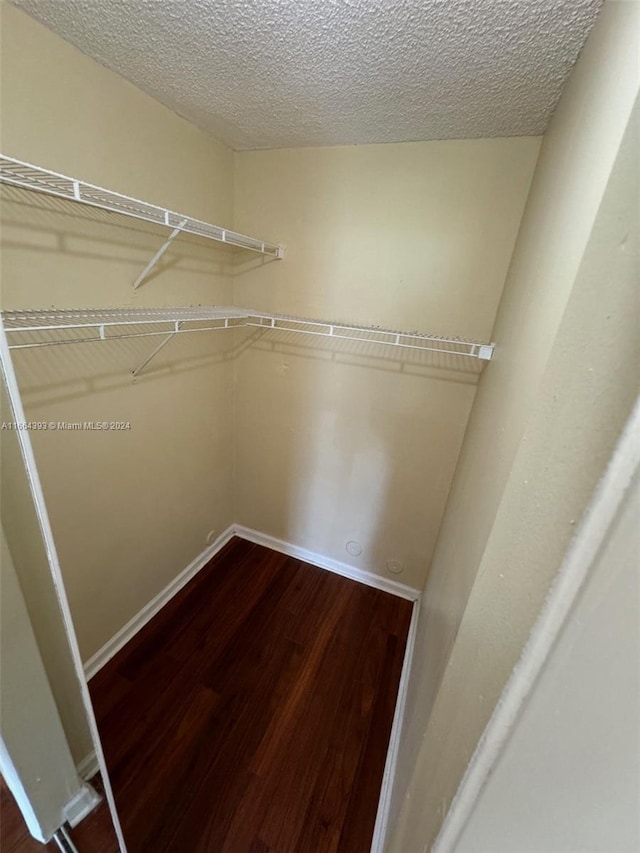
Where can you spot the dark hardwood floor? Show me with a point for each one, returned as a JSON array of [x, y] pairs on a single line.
[[253, 713]]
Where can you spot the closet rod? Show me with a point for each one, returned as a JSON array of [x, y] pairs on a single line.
[[26, 175], [26, 328]]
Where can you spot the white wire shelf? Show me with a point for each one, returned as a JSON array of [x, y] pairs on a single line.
[[25, 175], [372, 335], [49, 327]]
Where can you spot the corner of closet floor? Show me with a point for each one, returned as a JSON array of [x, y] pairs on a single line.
[[128, 631], [321, 561]]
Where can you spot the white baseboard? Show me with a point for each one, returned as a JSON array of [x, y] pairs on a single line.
[[88, 767], [89, 764], [113, 646], [128, 631], [368, 578], [381, 828], [81, 805]]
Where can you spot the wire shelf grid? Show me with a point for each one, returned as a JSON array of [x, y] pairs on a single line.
[[25, 175], [46, 327], [372, 334], [38, 328]]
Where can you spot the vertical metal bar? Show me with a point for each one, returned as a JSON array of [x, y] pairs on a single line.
[[35, 486], [64, 841]]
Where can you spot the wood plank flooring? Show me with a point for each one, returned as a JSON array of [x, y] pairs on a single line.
[[253, 713]]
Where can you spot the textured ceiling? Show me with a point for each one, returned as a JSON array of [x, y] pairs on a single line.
[[267, 74]]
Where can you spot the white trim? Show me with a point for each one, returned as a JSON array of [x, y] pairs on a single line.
[[35, 486], [331, 565], [388, 779], [82, 804], [15, 785], [577, 562], [128, 631], [88, 767]]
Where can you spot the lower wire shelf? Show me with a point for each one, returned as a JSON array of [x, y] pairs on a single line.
[[27, 329], [54, 327], [372, 335]]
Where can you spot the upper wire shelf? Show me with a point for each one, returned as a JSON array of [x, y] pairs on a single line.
[[25, 175], [47, 327]]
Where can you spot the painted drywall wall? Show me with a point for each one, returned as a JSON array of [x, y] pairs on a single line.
[[574, 755], [130, 508], [544, 421], [342, 441], [35, 758]]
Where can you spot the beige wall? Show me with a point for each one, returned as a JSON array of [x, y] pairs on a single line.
[[347, 441], [545, 418], [574, 755], [130, 509]]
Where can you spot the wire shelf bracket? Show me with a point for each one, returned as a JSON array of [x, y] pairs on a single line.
[[26, 175], [154, 260], [155, 352]]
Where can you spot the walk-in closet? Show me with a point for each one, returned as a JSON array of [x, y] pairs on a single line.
[[318, 333]]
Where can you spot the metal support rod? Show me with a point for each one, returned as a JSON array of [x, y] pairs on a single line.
[[154, 260], [160, 346], [64, 841]]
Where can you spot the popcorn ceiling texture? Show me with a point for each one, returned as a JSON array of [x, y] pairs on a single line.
[[260, 74]]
